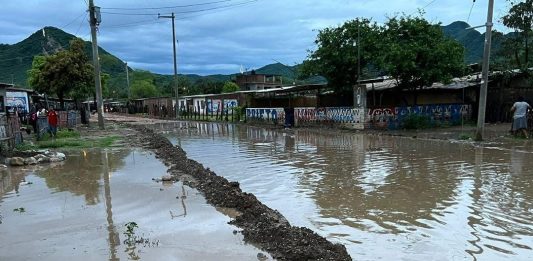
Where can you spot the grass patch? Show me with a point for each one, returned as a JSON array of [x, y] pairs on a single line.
[[63, 143], [106, 141], [465, 137], [69, 139]]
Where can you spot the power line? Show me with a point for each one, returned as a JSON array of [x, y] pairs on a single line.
[[166, 7], [424, 7], [138, 23], [469, 13], [157, 21], [79, 27], [183, 12], [75, 19]]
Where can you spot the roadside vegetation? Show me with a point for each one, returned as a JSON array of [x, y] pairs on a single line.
[[68, 139]]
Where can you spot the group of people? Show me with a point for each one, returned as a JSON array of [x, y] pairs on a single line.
[[520, 111], [52, 116]]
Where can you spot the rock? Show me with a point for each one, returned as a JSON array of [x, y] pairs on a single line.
[[2, 166], [60, 155], [261, 256], [55, 159], [43, 159], [166, 178], [30, 161], [15, 161]]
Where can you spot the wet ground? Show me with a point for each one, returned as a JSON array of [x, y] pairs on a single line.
[[81, 208], [384, 197]]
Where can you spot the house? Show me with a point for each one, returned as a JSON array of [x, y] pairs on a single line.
[[254, 81]]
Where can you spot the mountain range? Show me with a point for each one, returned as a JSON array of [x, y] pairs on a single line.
[[17, 58]]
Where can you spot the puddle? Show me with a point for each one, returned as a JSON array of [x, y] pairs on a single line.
[[385, 198], [81, 208]]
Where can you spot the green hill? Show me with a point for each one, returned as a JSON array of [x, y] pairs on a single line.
[[16, 59], [472, 40]]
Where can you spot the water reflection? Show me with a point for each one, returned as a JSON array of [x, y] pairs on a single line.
[[63, 220], [81, 174], [391, 196]]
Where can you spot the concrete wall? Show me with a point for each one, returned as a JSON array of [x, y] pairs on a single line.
[[358, 118], [439, 114]]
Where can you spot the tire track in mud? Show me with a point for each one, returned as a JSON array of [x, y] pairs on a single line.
[[261, 225]]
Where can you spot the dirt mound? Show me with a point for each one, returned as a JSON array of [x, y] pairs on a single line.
[[261, 225]]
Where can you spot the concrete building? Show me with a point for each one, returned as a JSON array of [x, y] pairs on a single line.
[[253, 81]]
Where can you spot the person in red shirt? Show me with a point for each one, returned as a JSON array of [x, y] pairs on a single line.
[[52, 121]]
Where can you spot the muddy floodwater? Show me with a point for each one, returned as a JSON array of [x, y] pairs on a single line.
[[385, 198], [79, 209]]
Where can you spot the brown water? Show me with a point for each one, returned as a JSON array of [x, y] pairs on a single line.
[[77, 210], [388, 198]]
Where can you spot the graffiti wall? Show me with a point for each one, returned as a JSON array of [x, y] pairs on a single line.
[[343, 116], [17, 100], [355, 118], [214, 106], [440, 114], [230, 103], [272, 115]]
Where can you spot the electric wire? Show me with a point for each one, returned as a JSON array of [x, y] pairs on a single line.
[[75, 19], [166, 7], [469, 13], [183, 12], [156, 21]]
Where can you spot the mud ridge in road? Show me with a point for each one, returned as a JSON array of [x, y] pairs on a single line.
[[262, 226]]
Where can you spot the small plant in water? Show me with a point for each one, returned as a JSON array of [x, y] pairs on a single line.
[[132, 240], [20, 210], [130, 231]]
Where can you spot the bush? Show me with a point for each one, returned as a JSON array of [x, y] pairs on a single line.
[[415, 121]]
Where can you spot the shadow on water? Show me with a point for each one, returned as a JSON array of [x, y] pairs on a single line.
[[85, 207], [384, 197]]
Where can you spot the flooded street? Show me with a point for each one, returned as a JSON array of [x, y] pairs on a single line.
[[80, 208], [389, 198]]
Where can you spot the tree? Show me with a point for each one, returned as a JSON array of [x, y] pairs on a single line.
[[520, 18], [230, 87], [143, 89], [66, 73], [336, 56], [417, 54], [208, 86]]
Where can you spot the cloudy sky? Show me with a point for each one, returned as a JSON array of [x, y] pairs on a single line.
[[218, 36]]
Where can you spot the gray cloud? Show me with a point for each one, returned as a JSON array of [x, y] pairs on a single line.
[[218, 41]]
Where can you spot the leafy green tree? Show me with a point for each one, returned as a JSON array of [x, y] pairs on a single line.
[[143, 89], [230, 87], [66, 73], [209, 86], [184, 84], [417, 54], [336, 56], [520, 18]]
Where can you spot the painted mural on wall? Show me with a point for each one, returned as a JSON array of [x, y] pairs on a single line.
[[17, 100], [393, 117], [214, 106], [230, 103], [274, 115], [345, 116]]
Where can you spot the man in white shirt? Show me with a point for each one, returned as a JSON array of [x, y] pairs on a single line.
[[520, 110]]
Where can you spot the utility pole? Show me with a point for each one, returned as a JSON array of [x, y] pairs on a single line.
[[175, 63], [485, 74], [94, 20], [128, 81]]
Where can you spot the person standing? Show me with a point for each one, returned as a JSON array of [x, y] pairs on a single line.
[[52, 121], [33, 118], [519, 110]]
